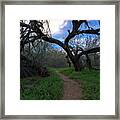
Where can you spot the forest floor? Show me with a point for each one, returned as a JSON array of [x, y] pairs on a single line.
[[82, 85], [42, 88], [62, 84], [71, 88]]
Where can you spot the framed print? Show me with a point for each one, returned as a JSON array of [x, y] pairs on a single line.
[[59, 59]]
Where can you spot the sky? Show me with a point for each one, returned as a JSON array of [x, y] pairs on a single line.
[[59, 28]]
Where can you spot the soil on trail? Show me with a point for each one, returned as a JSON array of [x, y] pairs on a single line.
[[72, 89]]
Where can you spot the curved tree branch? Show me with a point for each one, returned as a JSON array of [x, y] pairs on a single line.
[[96, 31], [92, 50], [75, 31]]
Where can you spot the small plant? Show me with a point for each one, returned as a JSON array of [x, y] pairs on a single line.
[[42, 88]]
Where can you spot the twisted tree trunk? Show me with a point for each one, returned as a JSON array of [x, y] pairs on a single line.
[[77, 66]]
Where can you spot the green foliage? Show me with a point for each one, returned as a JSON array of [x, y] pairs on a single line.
[[37, 88], [89, 80], [55, 58]]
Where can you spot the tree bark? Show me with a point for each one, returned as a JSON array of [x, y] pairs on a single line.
[[88, 62], [69, 63], [77, 66]]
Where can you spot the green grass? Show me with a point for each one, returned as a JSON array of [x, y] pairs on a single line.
[[42, 88], [89, 79]]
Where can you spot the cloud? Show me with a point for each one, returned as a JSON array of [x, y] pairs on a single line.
[[63, 25], [55, 25]]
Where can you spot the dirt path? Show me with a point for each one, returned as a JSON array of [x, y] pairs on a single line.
[[71, 89]]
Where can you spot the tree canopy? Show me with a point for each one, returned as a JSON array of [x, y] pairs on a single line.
[[32, 32]]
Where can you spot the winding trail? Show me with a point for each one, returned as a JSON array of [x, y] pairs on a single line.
[[72, 89]]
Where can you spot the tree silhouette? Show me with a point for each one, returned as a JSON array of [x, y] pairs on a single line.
[[35, 30]]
